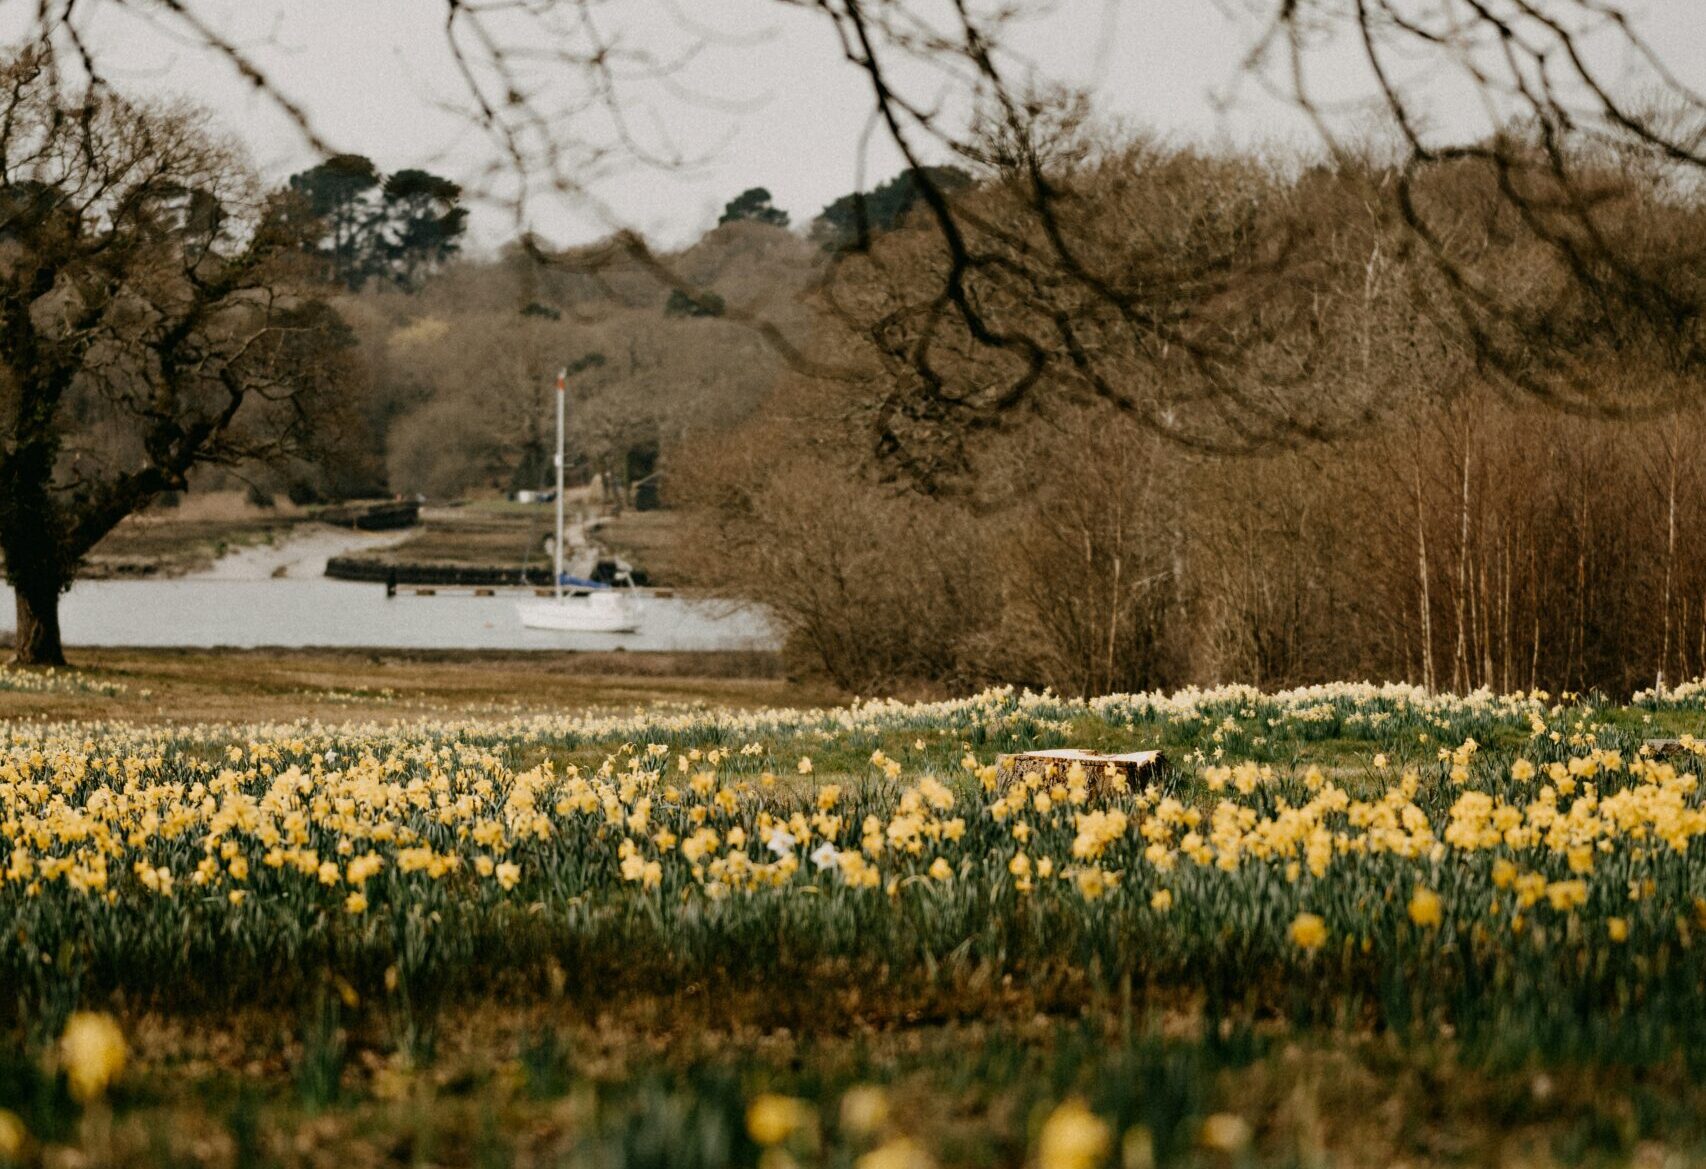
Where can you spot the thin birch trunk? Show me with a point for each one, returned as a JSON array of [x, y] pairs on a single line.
[[1427, 632]]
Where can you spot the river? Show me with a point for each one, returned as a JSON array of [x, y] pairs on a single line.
[[275, 596]]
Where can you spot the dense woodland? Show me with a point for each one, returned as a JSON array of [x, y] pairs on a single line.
[[475, 352], [660, 351], [1512, 510]]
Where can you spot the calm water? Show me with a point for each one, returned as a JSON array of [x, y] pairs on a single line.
[[208, 611]]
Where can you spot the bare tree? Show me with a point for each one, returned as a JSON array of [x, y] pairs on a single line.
[[147, 324], [1577, 102], [1581, 111]]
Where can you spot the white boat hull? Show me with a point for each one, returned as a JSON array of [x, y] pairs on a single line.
[[600, 612]]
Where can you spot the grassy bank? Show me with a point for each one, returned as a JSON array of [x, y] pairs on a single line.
[[166, 541], [488, 532], [190, 686], [510, 536], [190, 536], [1345, 925], [654, 541]]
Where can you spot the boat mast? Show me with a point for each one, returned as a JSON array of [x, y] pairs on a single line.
[[562, 393]]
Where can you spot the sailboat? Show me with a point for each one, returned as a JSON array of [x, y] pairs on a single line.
[[581, 609]]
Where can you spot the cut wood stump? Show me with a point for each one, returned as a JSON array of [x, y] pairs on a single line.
[[1668, 748], [1054, 766]]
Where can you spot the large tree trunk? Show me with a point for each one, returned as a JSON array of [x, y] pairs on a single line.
[[38, 626]]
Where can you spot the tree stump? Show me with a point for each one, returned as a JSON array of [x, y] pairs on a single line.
[[1053, 766], [1668, 748]]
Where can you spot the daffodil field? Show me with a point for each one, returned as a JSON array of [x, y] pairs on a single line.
[[1064, 970]]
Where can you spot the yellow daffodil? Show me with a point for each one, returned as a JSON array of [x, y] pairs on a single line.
[[93, 1052], [864, 1110], [1308, 932], [1072, 1137], [772, 1119], [1424, 908]]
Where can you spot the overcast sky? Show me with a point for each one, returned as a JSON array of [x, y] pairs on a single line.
[[766, 102]]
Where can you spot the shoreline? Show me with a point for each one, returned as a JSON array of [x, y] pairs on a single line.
[[179, 686], [473, 543], [305, 553], [317, 612]]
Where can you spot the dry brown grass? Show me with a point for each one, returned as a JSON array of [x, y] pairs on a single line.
[[1361, 1099], [652, 540], [504, 536], [190, 686], [171, 541]]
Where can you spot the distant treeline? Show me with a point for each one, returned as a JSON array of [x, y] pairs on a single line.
[[448, 385], [1424, 519], [1400, 508]]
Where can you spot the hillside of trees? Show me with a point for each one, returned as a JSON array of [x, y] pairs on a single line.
[[1069, 407], [1328, 474], [449, 394], [1324, 471], [461, 373]]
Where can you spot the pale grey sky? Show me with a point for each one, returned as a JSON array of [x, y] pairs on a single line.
[[768, 102]]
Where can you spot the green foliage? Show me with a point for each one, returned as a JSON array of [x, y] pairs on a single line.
[[425, 223], [1559, 987], [336, 186], [395, 228], [338, 196], [320, 1067], [30, 1091], [546, 1067], [989, 1000], [850, 221], [753, 205], [683, 304]]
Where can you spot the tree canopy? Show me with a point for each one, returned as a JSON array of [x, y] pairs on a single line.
[[754, 204], [1560, 82], [153, 319], [368, 226], [850, 221]]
